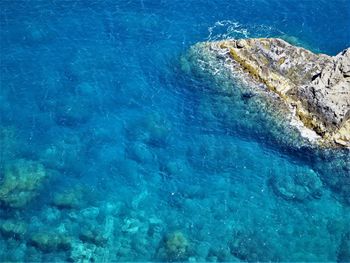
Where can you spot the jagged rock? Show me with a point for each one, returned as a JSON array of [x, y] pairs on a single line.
[[328, 94], [315, 87]]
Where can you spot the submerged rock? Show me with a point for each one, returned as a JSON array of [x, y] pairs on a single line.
[[93, 235], [252, 246], [13, 228], [51, 242], [21, 182], [315, 88], [298, 186], [176, 247], [131, 225], [71, 198], [82, 252], [152, 130]]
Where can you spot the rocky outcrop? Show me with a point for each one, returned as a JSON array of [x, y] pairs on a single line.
[[315, 87]]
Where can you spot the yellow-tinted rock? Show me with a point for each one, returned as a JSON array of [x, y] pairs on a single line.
[[342, 136]]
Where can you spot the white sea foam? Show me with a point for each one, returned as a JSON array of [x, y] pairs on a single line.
[[228, 29]]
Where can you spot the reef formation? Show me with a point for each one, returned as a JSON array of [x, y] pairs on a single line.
[[313, 90]]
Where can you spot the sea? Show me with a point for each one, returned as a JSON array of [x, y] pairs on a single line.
[[112, 152]]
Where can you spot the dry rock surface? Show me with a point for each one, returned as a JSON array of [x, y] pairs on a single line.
[[316, 87]]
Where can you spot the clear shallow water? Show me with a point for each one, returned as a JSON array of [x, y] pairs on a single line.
[[111, 153]]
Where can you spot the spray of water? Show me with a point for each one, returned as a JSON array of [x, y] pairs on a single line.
[[228, 29]]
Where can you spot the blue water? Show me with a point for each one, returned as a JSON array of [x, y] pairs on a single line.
[[140, 161]]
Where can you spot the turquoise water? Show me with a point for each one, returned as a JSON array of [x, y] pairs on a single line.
[[111, 152]]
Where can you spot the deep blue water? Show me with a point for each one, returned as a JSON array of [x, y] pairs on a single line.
[[109, 152]]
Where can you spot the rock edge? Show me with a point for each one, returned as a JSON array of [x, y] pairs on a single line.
[[316, 87]]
